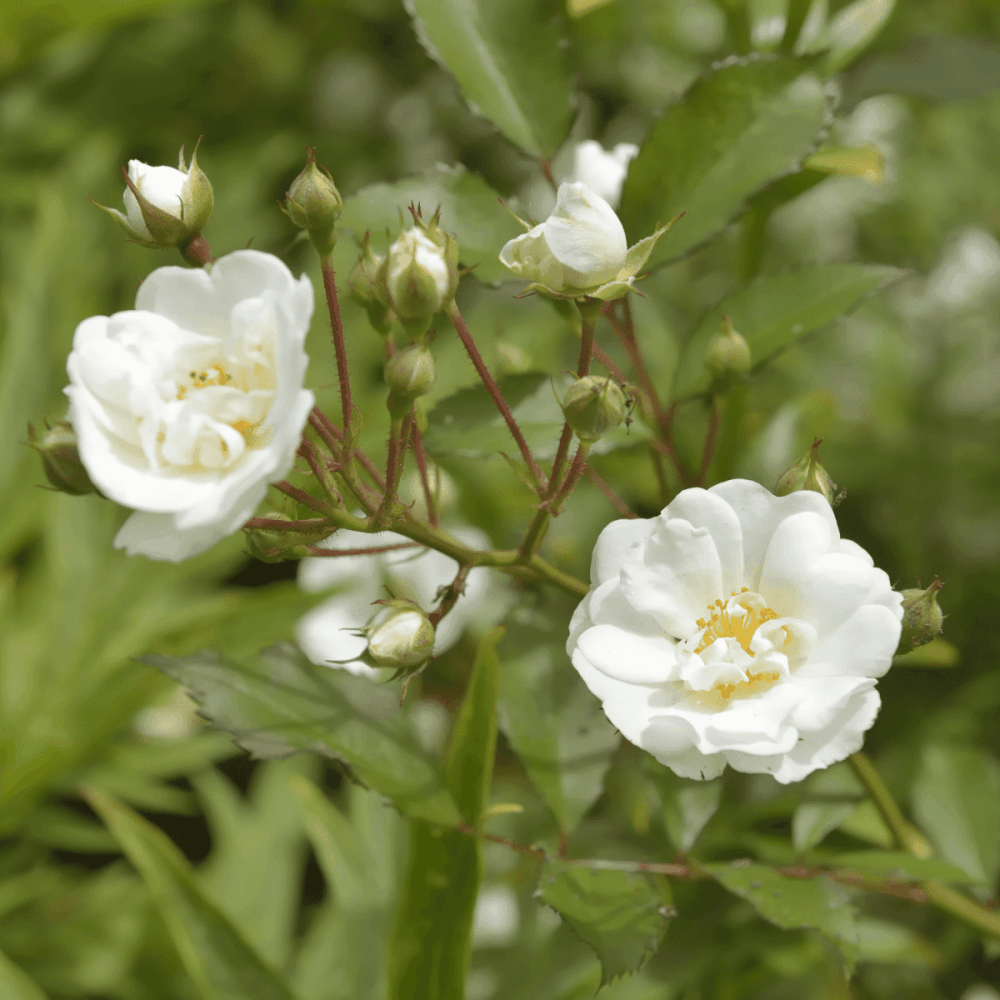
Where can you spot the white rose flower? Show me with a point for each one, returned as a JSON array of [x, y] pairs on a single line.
[[603, 172], [579, 250], [325, 635], [188, 406], [737, 628]]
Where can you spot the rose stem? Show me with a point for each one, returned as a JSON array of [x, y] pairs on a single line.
[[494, 390], [454, 592], [392, 463], [906, 837], [535, 534], [308, 451], [371, 551], [331, 434], [429, 499], [573, 476], [274, 524], [661, 473], [711, 437], [339, 350], [608, 493], [613, 370], [306, 499]]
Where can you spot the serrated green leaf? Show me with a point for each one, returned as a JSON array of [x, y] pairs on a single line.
[[899, 865], [16, 984], [552, 721], [792, 903], [956, 802], [508, 63], [277, 703], [432, 936], [467, 423], [774, 311], [735, 129], [619, 914], [215, 955], [469, 209]]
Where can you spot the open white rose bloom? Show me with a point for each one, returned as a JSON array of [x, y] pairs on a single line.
[[737, 628], [579, 250], [325, 633], [188, 406]]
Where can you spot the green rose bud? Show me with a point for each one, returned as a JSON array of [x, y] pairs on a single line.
[[313, 203], [418, 278], [61, 459], [728, 355], [409, 373], [400, 635], [277, 545], [922, 618], [594, 406], [808, 474]]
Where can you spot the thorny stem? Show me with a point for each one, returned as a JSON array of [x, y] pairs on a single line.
[[392, 464], [714, 414], [304, 498], [494, 390], [323, 476], [372, 550], [339, 350], [573, 476], [453, 592], [608, 493], [332, 436], [613, 370], [421, 457], [906, 837], [273, 524]]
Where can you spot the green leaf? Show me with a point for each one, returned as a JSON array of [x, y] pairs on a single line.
[[432, 936], [619, 914], [277, 703], [16, 984], [734, 130], [792, 903], [898, 865], [215, 955], [469, 209], [552, 721], [687, 805], [956, 802], [773, 312], [507, 61], [852, 30], [467, 423], [830, 797]]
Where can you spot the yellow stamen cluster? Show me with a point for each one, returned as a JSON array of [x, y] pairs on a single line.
[[201, 379], [722, 625]]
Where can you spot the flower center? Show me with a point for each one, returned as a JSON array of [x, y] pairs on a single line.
[[724, 624], [216, 375]]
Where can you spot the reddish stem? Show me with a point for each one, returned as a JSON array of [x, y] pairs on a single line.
[[609, 494], [371, 551], [455, 590], [274, 524], [418, 451], [339, 347], [306, 499], [331, 434], [710, 439], [613, 370], [494, 390], [572, 477]]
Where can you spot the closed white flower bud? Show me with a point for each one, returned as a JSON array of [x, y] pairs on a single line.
[[417, 276], [400, 635], [602, 171]]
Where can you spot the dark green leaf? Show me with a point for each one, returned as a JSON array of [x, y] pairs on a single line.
[[432, 937], [619, 914], [956, 801], [687, 805], [552, 721], [467, 423], [469, 209], [507, 61], [734, 130], [277, 703], [218, 959], [792, 903], [898, 865], [774, 311]]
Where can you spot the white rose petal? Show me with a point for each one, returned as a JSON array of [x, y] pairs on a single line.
[[188, 406], [325, 634], [415, 245], [603, 172], [162, 187], [737, 628]]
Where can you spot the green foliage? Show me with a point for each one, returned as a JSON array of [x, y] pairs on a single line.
[[277, 703], [507, 62], [17, 984], [619, 914]]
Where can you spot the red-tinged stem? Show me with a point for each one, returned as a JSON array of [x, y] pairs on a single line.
[[274, 524], [455, 590], [339, 348], [421, 457], [547, 173], [392, 461], [197, 252], [373, 550], [710, 439], [331, 434], [572, 477], [306, 499], [661, 473], [533, 852], [323, 476], [612, 369], [609, 494], [494, 390]]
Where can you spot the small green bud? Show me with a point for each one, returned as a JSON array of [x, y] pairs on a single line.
[[728, 355], [400, 635], [277, 546], [313, 203], [61, 459], [594, 406], [418, 277], [409, 373], [808, 474], [922, 618], [364, 287]]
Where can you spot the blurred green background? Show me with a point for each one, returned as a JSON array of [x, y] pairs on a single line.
[[905, 393]]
